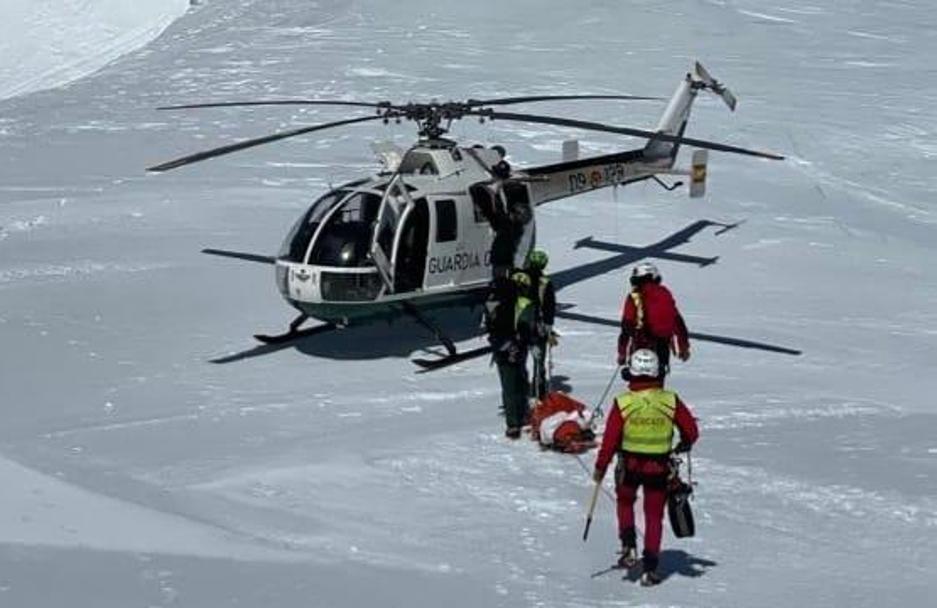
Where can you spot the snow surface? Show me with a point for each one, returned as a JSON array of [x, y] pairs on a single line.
[[137, 472], [47, 43]]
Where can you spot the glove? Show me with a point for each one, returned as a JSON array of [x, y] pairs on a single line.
[[682, 447], [684, 354], [622, 359], [598, 476], [553, 338], [513, 353]]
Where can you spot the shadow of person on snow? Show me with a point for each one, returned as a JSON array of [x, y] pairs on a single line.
[[676, 561]]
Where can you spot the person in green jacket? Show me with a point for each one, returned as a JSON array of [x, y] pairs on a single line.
[[543, 298], [511, 325]]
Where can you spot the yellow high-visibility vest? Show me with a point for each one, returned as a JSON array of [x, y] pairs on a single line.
[[647, 418]]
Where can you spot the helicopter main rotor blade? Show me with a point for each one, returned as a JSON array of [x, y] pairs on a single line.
[[596, 126], [279, 102], [250, 143], [503, 101]]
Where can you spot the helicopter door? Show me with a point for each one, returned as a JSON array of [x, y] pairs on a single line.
[[410, 259], [446, 261], [394, 204]]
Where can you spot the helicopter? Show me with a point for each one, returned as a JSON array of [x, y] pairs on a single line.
[[417, 237]]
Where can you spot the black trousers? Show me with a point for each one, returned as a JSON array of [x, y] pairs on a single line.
[[514, 387]]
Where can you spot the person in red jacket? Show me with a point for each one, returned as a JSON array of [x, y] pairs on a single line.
[[640, 428], [650, 319]]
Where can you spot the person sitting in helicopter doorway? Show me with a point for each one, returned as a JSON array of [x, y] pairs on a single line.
[[544, 304], [650, 319], [501, 169], [505, 206], [640, 428], [509, 320]]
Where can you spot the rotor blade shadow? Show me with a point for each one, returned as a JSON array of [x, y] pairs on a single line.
[[726, 340], [256, 351], [628, 254], [591, 243]]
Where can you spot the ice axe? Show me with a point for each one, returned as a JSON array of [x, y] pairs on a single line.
[[595, 497]]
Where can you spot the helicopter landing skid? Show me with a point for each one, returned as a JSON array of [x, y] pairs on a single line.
[[420, 318], [429, 365], [294, 332]]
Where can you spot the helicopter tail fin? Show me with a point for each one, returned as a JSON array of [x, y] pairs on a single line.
[[677, 114]]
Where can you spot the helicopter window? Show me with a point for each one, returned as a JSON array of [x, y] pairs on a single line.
[[346, 238], [482, 203], [418, 162], [297, 241], [446, 228]]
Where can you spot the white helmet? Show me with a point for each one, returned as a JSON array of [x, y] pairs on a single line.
[[644, 362], [645, 269]]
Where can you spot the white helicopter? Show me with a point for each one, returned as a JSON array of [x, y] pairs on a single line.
[[418, 236]]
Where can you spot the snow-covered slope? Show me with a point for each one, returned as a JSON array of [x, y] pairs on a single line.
[[47, 43], [328, 473]]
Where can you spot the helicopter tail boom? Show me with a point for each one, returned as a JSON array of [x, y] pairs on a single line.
[[677, 114]]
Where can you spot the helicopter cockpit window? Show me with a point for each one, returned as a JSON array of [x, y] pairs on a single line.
[[297, 241], [446, 227], [346, 238], [419, 163]]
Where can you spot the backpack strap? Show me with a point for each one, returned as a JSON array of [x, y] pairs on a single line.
[[635, 296]]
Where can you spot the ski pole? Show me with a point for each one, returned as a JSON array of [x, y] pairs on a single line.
[[538, 360], [549, 364], [595, 497], [598, 406]]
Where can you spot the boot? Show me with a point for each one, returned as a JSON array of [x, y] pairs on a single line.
[[629, 554], [649, 577], [513, 432], [629, 558]]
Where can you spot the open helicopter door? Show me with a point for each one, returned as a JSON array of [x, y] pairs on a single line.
[[394, 204]]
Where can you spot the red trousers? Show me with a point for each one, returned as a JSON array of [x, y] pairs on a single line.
[[655, 497]]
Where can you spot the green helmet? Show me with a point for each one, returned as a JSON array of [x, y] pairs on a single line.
[[537, 259]]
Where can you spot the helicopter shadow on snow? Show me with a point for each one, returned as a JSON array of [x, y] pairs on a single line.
[[403, 337]]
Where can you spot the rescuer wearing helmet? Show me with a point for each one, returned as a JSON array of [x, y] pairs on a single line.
[[544, 304], [640, 428], [509, 319], [505, 204], [650, 319]]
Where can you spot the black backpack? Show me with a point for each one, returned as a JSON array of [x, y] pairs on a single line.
[[678, 504]]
